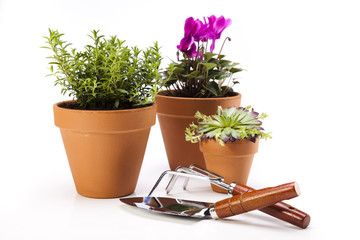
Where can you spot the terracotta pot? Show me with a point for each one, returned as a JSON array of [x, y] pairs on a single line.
[[175, 114], [105, 149], [232, 161]]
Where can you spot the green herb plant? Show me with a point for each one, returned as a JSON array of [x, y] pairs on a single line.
[[107, 74], [228, 124]]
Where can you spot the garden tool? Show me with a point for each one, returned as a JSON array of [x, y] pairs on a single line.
[[225, 208], [279, 210]]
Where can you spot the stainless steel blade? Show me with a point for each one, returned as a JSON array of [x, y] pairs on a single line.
[[172, 206]]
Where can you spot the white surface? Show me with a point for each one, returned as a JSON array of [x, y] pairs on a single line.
[[302, 61]]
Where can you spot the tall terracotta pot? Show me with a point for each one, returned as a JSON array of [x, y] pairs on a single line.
[[232, 161], [105, 149], [175, 114]]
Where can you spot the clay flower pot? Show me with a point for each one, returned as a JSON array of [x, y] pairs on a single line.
[[175, 114], [232, 161], [105, 149]]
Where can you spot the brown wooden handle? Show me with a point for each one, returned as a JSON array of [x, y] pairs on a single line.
[[255, 199], [279, 210]]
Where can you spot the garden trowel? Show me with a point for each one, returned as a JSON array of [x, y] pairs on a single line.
[[225, 208], [280, 210]]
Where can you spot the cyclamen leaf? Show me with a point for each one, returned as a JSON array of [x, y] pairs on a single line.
[[213, 87], [218, 75], [178, 70], [209, 55], [209, 66], [235, 70], [192, 74]]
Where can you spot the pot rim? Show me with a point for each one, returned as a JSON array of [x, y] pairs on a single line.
[[180, 106], [237, 141], [104, 120], [192, 98], [56, 105]]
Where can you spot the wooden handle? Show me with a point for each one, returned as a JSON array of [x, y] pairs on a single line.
[[279, 210], [255, 199]]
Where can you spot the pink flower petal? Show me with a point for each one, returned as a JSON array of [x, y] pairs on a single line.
[[189, 22], [185, 43]]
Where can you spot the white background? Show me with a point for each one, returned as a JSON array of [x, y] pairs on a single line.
[[302, 60]]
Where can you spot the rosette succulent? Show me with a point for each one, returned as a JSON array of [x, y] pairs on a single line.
[[228, 124], [202, 73]]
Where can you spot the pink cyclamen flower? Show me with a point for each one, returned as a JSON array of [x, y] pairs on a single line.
[[202, 33], [188, 46], [216, 27], [185, 43], [196, 31], [192, 51], [192, 32], [191, 26]]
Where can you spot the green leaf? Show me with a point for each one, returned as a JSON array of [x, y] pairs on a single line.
[[234, 70], [218, 75], [193, 74], [178, 70], [213, 87], [227, 131], [212, 133], [235, 134], [117, 102], [122, 91], [209, 66], [209, 55]]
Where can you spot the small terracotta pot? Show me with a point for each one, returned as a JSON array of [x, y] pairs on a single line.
[[105, 149], [175, 114], [232, 161]]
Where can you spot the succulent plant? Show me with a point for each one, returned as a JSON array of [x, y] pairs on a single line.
[[230, 124]]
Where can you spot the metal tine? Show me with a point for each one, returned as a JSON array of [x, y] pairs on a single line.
[[192, 172], [202, 172], [182, 169], [174, 178], [205, 171], [175, 173]]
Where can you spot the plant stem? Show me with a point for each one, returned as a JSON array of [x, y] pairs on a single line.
[[227, 38], [61, 63]]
